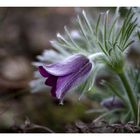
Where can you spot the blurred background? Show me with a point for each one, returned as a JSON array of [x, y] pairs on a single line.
[[24, 34]]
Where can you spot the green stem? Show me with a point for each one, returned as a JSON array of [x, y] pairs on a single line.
[[96, 55], [130, 94]]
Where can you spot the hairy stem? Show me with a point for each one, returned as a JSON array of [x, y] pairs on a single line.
[[96, 55], [130, 94]]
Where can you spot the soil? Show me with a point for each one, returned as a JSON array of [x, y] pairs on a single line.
[[78, 127]]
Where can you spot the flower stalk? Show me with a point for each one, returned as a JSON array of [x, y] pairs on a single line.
[[96, 55], [131, 96]]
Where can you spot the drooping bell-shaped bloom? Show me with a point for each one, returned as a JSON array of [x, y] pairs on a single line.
[[66, 74], [112, 103]]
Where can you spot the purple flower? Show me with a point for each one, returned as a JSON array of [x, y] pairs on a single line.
[[67, 74], [112, 103]]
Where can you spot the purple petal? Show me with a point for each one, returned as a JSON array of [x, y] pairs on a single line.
[[51, 81], [67, 66], [43, 72], [66, 82], [53, 93]]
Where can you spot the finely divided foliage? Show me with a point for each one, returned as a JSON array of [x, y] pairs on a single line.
[[104, 41]]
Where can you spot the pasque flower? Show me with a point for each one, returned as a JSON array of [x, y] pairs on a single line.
[[112, 103], [65, 75]]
